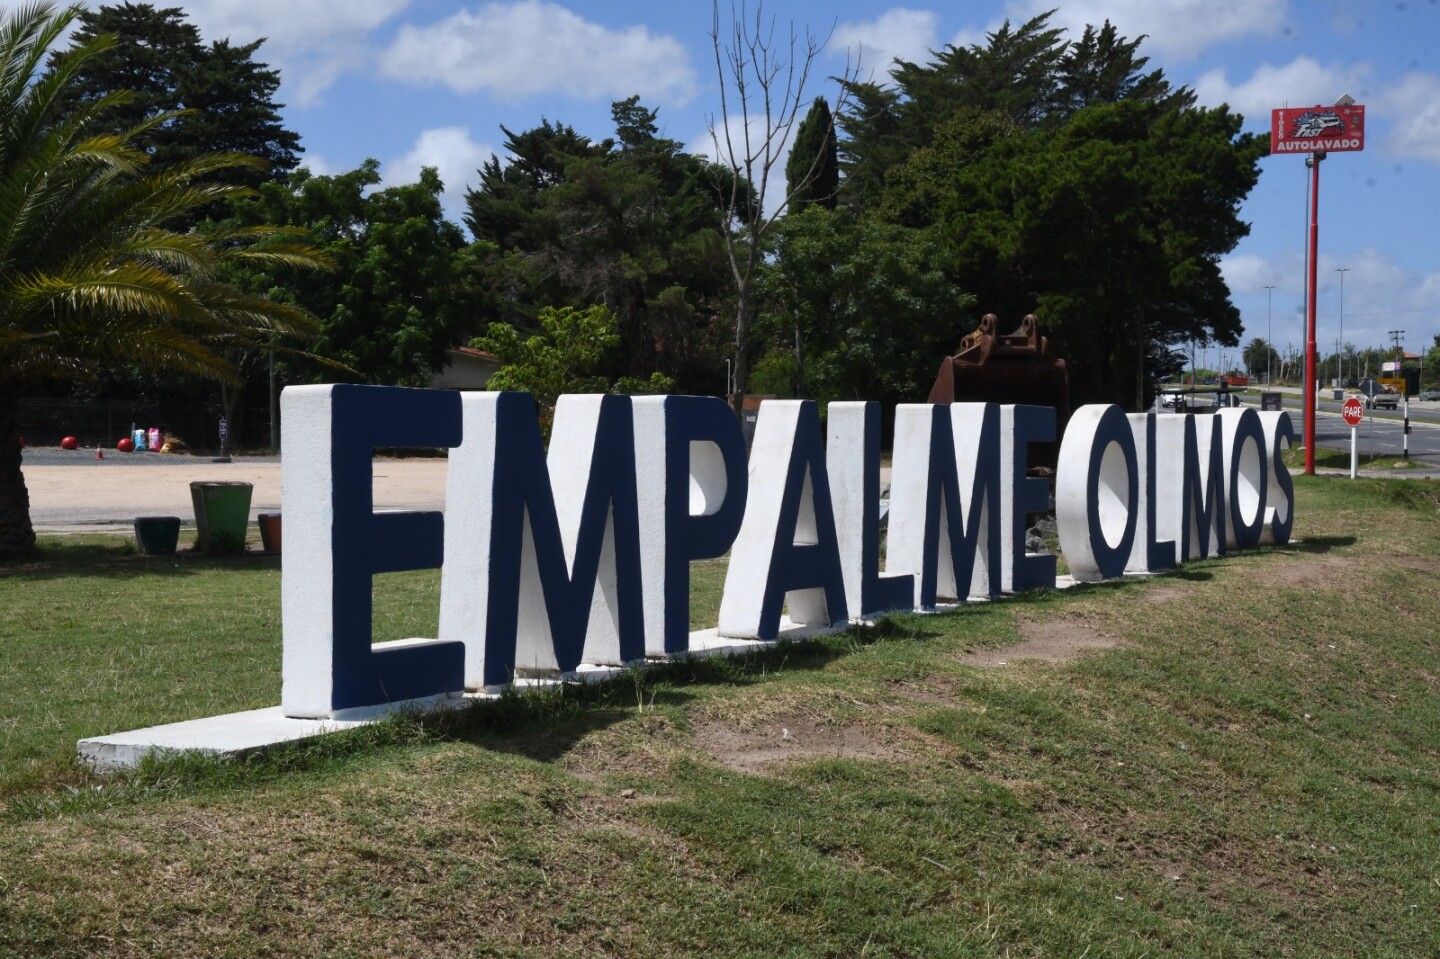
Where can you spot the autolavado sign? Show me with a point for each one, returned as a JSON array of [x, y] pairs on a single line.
[[582, 554]]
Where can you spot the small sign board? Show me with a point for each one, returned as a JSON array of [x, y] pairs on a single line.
[[1317, 129], [1270, 403], [1390, 366], [1353, 411]]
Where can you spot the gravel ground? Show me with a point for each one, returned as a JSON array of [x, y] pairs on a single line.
[[71, 491], [55, 456]]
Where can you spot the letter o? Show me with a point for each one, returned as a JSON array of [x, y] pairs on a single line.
[[1097, 515], [1247, 476]]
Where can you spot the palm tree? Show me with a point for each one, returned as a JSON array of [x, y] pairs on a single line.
[[1259, 356], [90, 274]]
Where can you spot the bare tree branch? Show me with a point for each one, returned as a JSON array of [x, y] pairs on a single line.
[[762, 87]]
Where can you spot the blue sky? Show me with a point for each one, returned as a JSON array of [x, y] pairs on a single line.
[[412, 82]]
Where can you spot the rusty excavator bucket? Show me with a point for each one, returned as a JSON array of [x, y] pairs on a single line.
[[1011, 368]]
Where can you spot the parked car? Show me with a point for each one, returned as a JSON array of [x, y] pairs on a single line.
[[1384, 400], [1428, 395]]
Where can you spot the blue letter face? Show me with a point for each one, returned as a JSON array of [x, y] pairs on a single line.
[[787, 550], [691, 471], [335, 543], [946, 501], [1019, 427], [544, 567], [852, 458], [1280, 511], [1191, 485], [1247, 476], [1097, 493]]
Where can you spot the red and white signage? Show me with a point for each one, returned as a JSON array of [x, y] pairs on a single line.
[[1353, 411], [1317, 129]]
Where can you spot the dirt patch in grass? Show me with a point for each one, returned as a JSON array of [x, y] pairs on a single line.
[[788, 738], [1156, 595], [1417, 563], [1302, 572], [1057, 639]]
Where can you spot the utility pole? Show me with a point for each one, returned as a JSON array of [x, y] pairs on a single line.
[[1269, 343], [1342, 270]]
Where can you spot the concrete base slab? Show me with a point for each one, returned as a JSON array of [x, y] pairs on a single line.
[[231, 735], [256, 730]]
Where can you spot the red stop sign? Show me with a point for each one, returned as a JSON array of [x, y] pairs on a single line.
[[1353, 411]]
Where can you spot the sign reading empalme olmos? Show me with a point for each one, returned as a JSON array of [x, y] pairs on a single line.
[[1317, 129], [582, 554]]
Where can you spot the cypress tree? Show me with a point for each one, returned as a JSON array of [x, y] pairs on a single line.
[[812, 174]]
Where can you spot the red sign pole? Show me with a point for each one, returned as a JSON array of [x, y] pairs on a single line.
[[1315, 130], [1311, 385]]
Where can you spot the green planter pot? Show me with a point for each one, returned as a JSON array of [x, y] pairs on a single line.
[[157, 535], [222, 514]]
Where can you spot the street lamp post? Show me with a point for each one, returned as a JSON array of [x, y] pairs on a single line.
[[1342, 270], [1269, 343]]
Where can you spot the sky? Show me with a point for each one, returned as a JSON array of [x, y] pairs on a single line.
[[431, 82]]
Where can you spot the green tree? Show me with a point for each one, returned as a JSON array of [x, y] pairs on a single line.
[[630, 223], [90, 273], [1430, 365], [812, 173], [871, 301], [1021, 78], [1110, 229], [569, 354], [400, 296], [1260, 357], [160, 58]]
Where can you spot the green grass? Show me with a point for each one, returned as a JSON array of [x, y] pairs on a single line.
[[1253, 771], [1340, 460]]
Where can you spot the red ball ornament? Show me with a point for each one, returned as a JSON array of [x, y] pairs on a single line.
[[69, 443], [126, 445]]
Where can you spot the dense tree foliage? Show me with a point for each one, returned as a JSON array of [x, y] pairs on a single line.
[[1109, 228], [871, 303], [401, 294], [91, 275], [160, 59], [629, 223], [1067, 180]]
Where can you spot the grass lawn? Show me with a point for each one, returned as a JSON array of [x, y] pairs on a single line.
[[1246, 762]]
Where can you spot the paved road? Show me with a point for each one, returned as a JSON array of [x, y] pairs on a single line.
[[1381, 433]]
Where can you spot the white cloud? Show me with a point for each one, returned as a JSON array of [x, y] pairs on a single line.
[[288, 23], [1414, 105], [1178, 29], [1302, 81], [317, 164], [897, 33], [311, 41], [513, 50], [1380, 296], [453, 153]]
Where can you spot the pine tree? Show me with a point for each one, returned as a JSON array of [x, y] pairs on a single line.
[[161, 60]]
